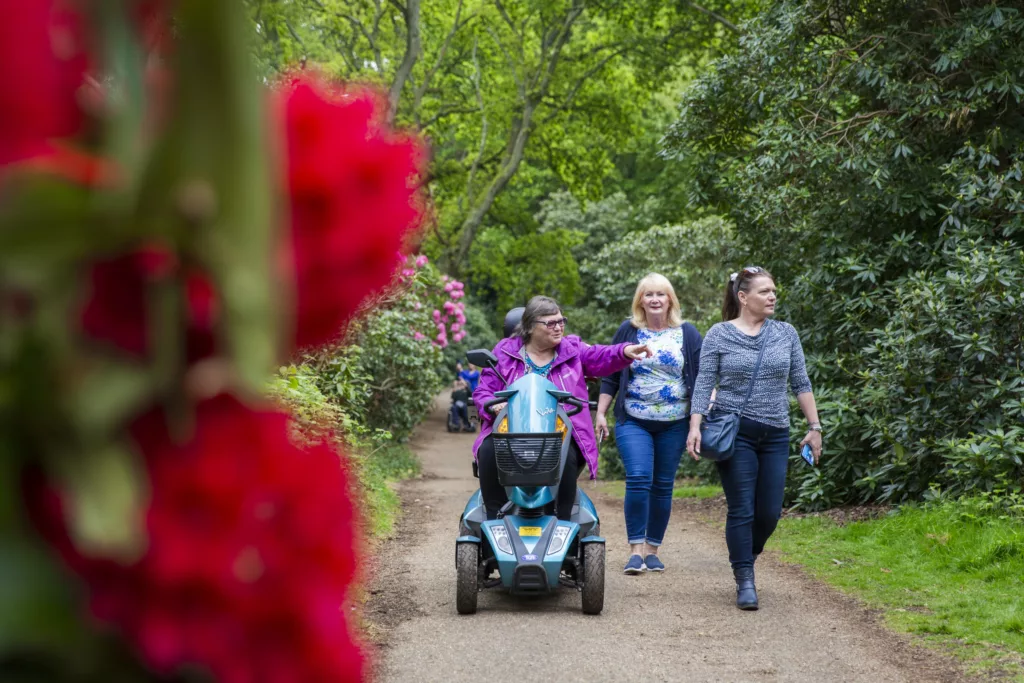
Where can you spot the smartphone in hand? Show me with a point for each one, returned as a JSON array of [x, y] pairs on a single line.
[[807, 454]]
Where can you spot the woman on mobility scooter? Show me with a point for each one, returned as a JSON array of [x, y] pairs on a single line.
[[539, 345]]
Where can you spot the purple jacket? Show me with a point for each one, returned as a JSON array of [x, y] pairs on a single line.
[[574, 361]]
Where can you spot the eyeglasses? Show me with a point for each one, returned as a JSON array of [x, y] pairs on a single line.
[[552, 324]]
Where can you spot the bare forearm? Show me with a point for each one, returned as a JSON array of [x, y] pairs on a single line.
[[604, 401], [808, 406]]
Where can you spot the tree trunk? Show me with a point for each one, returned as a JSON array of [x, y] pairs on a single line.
[[508, 169], [413, 43]]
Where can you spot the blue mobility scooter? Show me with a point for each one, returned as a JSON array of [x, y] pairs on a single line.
[[532, 550]]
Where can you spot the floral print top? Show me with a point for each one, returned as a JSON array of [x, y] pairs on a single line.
[[656, 389]]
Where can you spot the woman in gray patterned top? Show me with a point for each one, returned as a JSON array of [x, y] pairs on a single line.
[[755, 476]]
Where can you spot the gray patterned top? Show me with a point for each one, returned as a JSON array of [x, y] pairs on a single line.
[[727, 359]]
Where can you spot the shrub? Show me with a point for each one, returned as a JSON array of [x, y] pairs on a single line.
[[872, 160], [692, 255]]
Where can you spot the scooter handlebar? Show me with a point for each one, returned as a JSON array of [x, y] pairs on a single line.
[[569, 402], [493, 402], [575, 403]]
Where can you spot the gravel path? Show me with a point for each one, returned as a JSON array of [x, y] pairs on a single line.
[[678, 626]]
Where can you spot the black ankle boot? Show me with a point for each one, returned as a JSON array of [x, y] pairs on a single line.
[[746, 591]]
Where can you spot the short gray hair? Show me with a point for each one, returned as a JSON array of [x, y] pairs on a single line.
[[535, 308]]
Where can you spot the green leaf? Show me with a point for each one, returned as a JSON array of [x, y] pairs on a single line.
[[107, 395], [37, 607], [107, 493]]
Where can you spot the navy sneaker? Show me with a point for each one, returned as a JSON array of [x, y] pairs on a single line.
[[653, 564], [635, 565]]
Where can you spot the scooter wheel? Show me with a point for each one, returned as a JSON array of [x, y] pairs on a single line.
[[467, 563], [593, 578]]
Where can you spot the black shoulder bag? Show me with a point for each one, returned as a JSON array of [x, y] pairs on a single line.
[[718, 431]]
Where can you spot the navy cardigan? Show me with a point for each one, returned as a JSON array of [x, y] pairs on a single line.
[[615, 385]]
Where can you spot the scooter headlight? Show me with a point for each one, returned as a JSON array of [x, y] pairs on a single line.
[[558, 539], [501, 539]]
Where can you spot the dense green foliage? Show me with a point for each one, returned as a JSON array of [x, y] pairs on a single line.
[[871, 156], [375, 459], [518, 99], [949, 572], [692, 255], [386, 370]]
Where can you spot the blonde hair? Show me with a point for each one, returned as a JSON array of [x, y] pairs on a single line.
[[655, 281]]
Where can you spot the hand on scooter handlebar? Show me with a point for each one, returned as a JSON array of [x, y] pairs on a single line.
[[497, 407], [637, 351]]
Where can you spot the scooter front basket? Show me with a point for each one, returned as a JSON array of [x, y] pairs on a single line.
[[528, 459]]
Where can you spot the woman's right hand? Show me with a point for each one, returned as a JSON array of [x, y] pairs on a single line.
[[601, 427], [693, 442], [496, 408]]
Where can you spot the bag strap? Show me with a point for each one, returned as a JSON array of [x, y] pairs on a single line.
[[757, 366]]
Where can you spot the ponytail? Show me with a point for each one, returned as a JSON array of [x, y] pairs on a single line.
[[739, 282], [731, 303]]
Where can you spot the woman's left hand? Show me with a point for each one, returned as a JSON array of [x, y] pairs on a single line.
[[636, 351], [813, 438]]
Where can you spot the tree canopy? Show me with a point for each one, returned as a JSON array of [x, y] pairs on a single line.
[[551, 90]]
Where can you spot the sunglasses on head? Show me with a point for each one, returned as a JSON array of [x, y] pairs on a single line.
[[552, 324], [749, 270]]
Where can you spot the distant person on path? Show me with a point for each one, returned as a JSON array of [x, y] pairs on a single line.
[[472, 376], [652, 407], [460, 405], [539, 345], [755, 476]]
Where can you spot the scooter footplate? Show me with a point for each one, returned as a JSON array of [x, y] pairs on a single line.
[[530, 578]]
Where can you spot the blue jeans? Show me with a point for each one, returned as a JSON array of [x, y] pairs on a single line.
[[754, 479], [460, 411], [650, 451]]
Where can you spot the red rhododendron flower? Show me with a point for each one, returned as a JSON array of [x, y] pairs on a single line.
[[43, 62], [353, 199], [250, 556], [117, 310]]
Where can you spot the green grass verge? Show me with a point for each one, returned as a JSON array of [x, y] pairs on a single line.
[[683, 489], [952, 574], [377, 472]]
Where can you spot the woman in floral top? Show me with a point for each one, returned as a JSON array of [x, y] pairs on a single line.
[[652, 402]]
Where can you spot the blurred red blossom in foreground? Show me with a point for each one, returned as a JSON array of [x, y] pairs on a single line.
[[250, 544], [41, 43], [117, 308], [353, 194], [251, 552]]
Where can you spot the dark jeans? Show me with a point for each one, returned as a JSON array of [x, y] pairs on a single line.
[[494, 494], [650, 451], [460, 411], [754, 479]]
